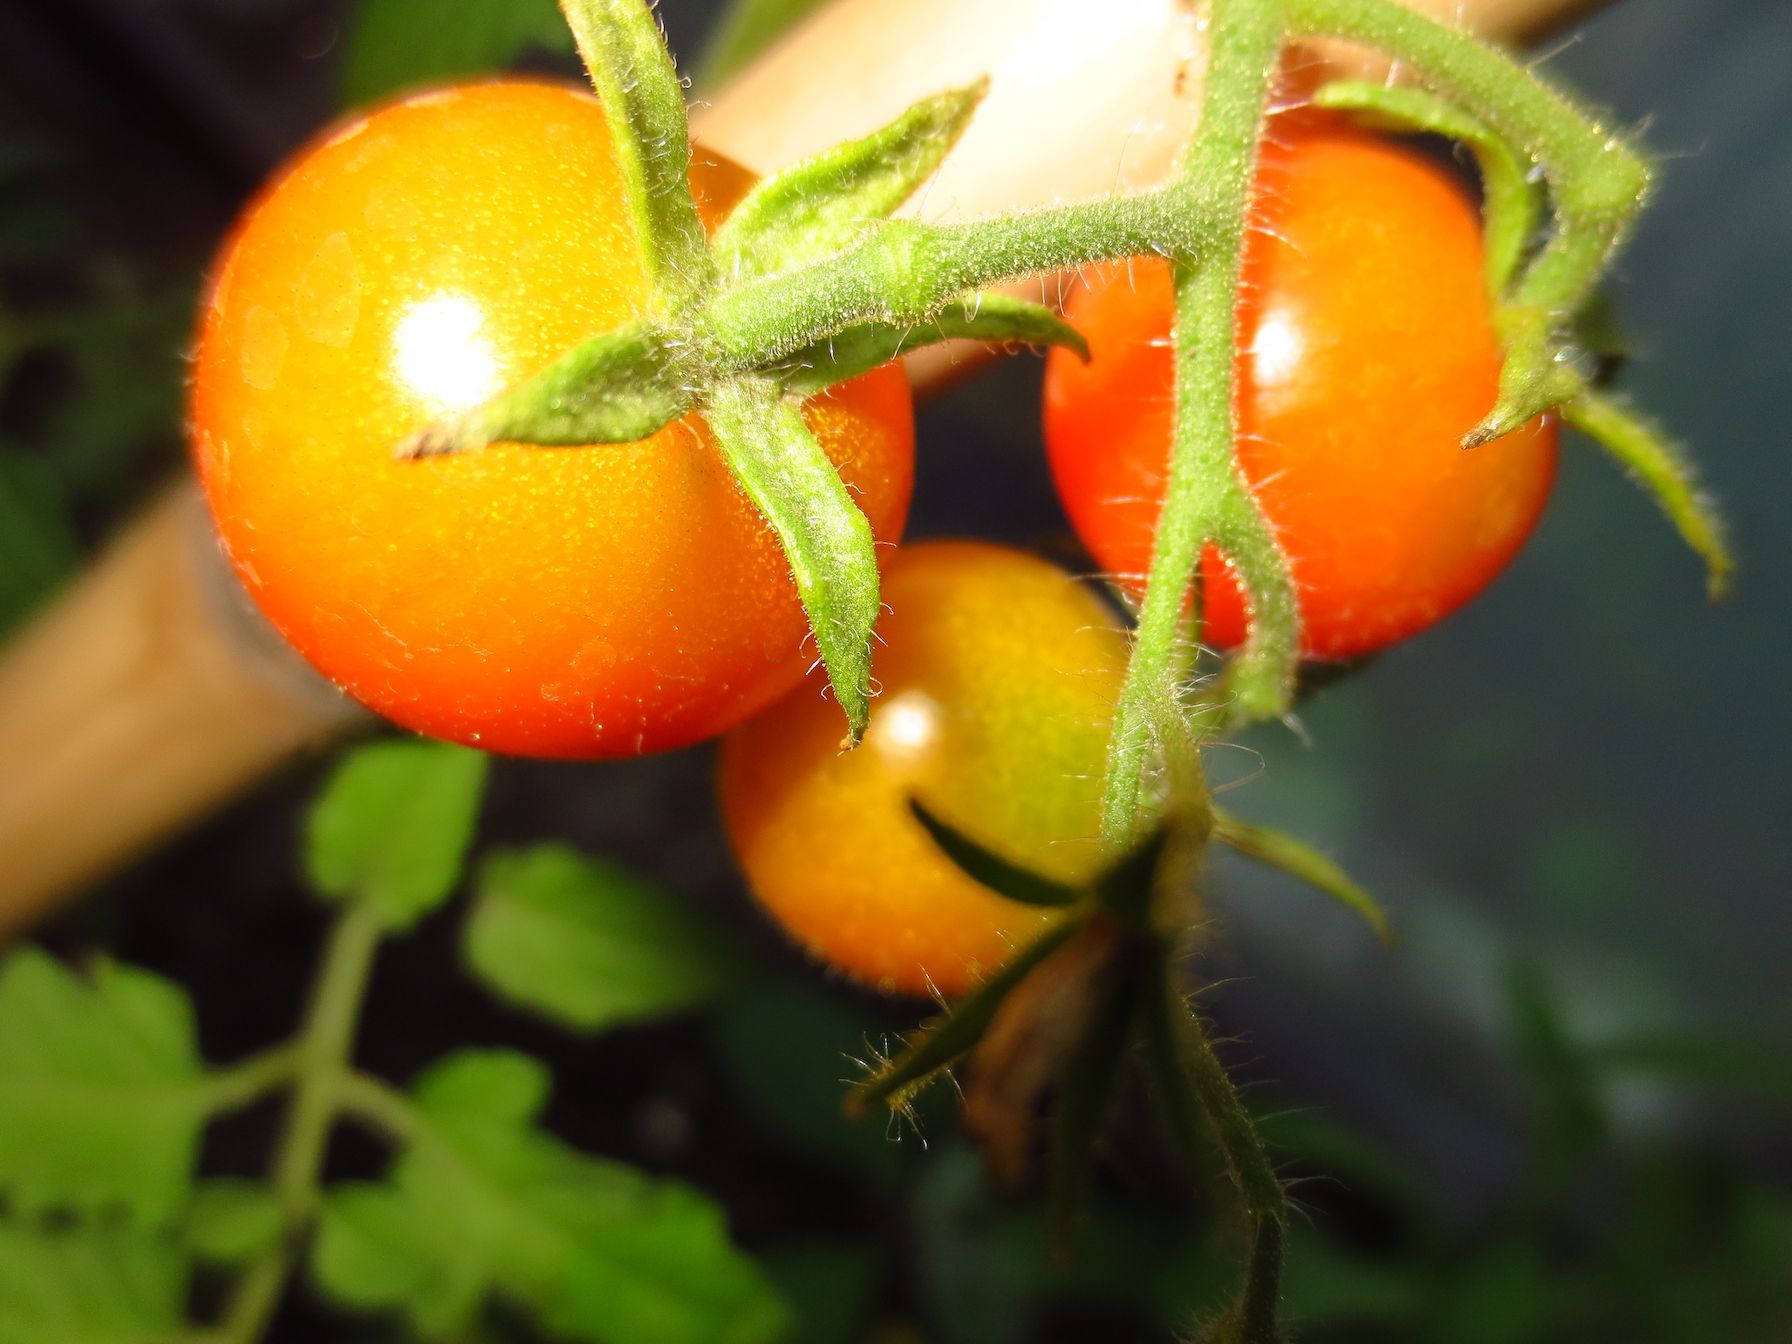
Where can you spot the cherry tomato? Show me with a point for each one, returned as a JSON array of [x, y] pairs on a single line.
[[1366, 352], [998, 676], [586, 602]]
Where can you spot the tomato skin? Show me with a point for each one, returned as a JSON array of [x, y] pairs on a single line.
[[998, 676], [600, 601], [1366, 352]]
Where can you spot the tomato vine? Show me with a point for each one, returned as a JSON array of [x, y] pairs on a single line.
[[811, 281]]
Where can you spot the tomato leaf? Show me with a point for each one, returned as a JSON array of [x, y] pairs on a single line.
[[829, 543], [232, 1220], [1295, 857], [625, 54], [996, 318], [37, 539], [102, 1092], [588, 943], [88, 1284], [394, 45], [614, 388], [482, 1205], [819, 207], [393, 826], [991, 869]]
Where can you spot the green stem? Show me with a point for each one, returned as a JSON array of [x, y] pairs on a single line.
[[904, 272], [322, 1057], [379, 1106], [233, 1088], [1204, 495], [1597, 183], [643, 100]]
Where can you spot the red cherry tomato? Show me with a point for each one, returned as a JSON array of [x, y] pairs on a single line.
[[1366, 352], [598, 601], [999, 675]]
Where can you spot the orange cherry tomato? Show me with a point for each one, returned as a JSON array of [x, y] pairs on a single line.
[[598, 601], [1366, 352], [998, 676]]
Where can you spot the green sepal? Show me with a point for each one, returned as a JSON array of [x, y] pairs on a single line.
[[998, 319], [832, 552], [1512, 203], [587, 943], [991, 869], [614, 388], [1664, 473], [643, 99], [1295, 857], [1199, 1099], [944, 1039], [1085, 1092], [1126, 887], [392, 827], [819, 207]]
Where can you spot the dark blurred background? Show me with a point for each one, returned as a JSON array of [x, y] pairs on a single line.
[[1557, 1110]]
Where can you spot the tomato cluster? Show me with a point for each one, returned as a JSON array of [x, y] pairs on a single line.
[[627, 598]]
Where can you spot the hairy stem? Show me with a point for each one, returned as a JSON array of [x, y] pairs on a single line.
[[1597, 183], [904, 272], [1202, 490]]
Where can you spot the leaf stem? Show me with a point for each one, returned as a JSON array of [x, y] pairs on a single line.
[[241, 1084], [322, 1058], [377, 1105]]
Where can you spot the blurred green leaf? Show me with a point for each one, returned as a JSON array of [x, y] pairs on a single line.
[[482, 1204], [1570, 1115], [1742, 1068], [122, 349], [1505, 1296], [1346, 1158], [102, 1093], [394, 45], [37, 544], [746, 28], [828, 1286], [791, 1051], [232, 1220], [32, 228], [987, 1273], [90, 1285], [1324, 1284], [587, 943], [393, 825]]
